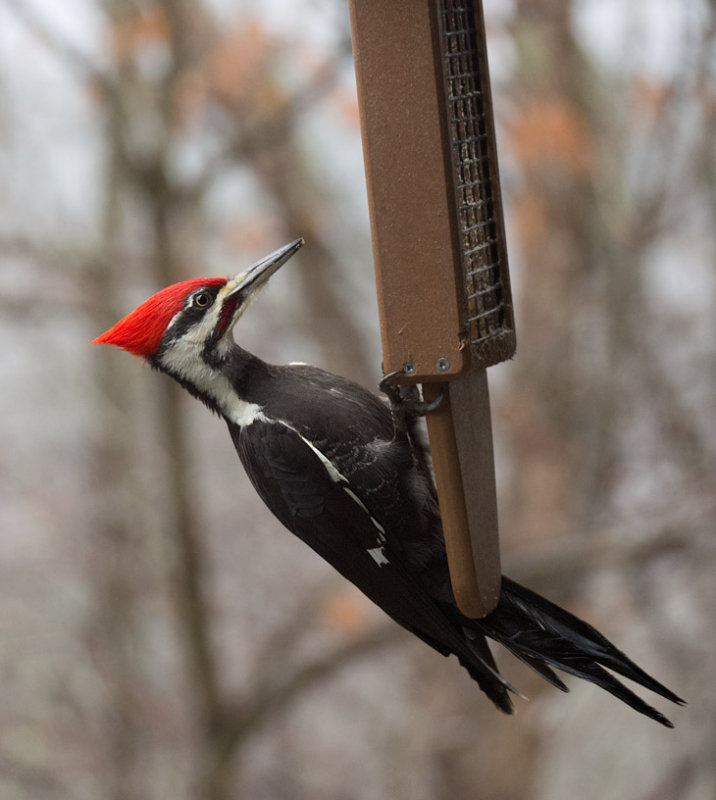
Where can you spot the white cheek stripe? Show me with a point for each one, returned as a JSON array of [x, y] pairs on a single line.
[[181, 359]]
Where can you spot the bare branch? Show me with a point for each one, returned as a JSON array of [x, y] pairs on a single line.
[[65, 52], [246, 716]]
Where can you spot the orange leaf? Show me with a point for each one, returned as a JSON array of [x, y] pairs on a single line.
[[143, 29], [347, 611], [235, 65], [530, 215], [551, 131], [652, 95]]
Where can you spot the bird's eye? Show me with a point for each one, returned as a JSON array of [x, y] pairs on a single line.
[[202, 300]]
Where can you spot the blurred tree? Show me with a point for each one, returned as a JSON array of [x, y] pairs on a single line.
[[202, 69], [153, 626]]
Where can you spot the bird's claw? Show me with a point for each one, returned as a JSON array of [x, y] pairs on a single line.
[[387, 387], [433, 405], [405, 400]]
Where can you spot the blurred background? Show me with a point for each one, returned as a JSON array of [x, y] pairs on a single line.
[[160, 635]]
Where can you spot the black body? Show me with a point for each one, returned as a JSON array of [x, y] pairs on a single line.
[[346, 472], [335, 465]]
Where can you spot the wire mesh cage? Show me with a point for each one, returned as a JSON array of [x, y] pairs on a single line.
[[470, 131], [439, 250]]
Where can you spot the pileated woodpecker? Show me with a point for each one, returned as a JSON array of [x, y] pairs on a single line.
[[346, 473]]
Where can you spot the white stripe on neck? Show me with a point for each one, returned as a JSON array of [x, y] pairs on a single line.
[[183, 359]]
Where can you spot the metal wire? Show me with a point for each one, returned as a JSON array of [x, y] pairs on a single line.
[[475, 184]]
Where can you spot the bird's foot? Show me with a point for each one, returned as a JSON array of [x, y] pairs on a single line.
[[405, 400]]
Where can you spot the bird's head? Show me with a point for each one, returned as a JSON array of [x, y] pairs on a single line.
[[185, 329], [193, 315]]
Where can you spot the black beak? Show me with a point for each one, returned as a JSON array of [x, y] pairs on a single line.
[[261, 271]]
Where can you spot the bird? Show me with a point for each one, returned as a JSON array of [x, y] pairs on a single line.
[[346, 471]]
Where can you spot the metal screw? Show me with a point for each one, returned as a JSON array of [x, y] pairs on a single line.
[[442, 364], [410, 368]]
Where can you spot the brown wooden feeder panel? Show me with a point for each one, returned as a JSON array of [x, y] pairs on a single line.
[[409, 184], [438, 244]]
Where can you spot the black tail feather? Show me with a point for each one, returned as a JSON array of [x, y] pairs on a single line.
[[556, 620], [485, 672], [587, 669], [541, 633], [542, 669]]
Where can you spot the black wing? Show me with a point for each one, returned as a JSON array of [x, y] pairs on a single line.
[[316, 503], [360, 496]]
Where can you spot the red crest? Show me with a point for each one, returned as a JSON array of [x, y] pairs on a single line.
[[141, 332]]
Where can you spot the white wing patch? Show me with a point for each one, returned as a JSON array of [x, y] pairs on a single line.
[[376, 553], [333, 473], [378, 526]]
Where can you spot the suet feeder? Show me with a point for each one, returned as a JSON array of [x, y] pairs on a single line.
[[439, 250]]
